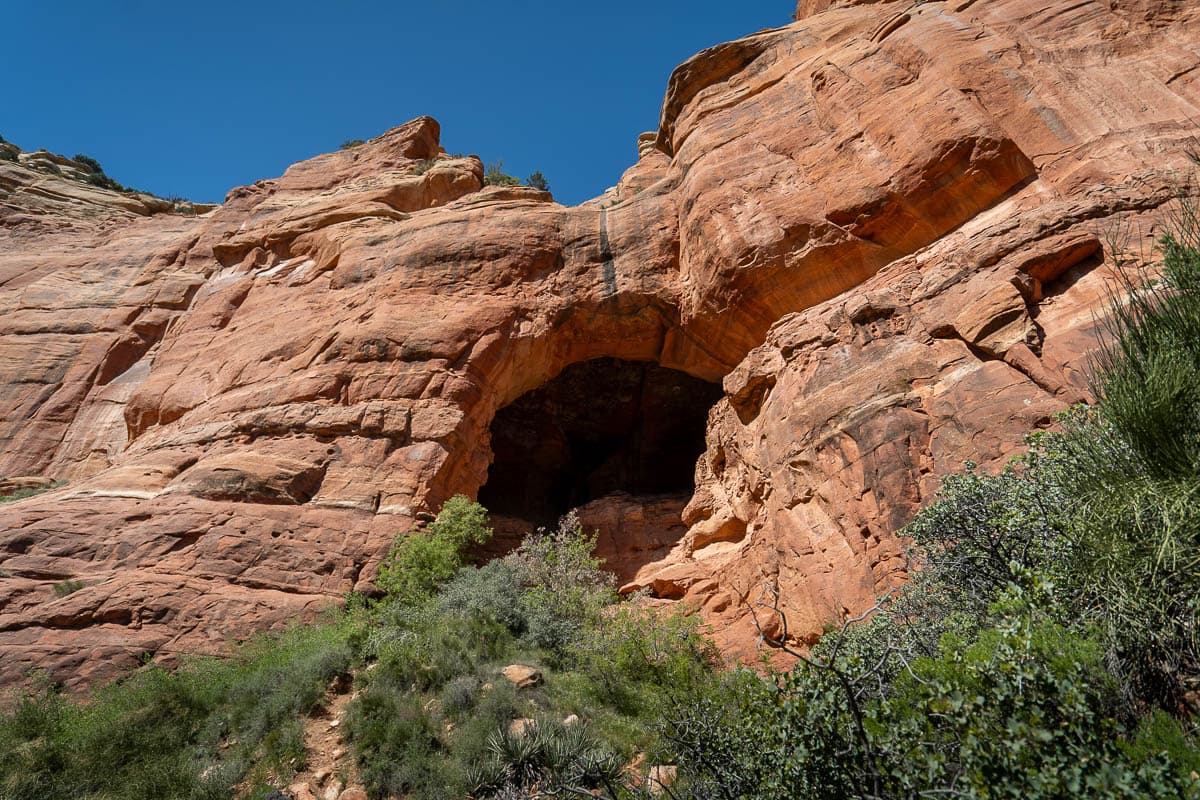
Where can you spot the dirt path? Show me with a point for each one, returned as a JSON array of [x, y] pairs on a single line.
[[329, 772]]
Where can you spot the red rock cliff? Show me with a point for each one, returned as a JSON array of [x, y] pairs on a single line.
[[880, 229]]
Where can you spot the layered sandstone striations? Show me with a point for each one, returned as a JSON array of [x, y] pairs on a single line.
[[882, 230]]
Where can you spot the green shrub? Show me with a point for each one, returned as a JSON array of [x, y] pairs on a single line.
[[494, 175], [394, 738], [986, 533], [424, 165], [105, 182], [493, 591], [459, 695], [90, 163], [1024, 710], [565, 587], [1132, 469], [32, 491], [7, 154], [69, 586], [420, 561], [538, 181], [438, 648], [350, 144], [551, 758], [637, 655], [191, 733]]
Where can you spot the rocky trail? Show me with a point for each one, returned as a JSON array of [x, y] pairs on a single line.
[[329, 772]]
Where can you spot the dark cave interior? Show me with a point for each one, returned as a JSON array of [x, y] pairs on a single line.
[[599, 427]]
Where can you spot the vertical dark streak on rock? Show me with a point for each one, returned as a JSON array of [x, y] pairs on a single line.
[[606, 256]]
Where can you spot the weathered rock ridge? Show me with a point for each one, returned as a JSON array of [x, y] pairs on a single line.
[[881, 229]]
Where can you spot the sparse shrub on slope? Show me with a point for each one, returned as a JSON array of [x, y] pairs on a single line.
[[194, 732], [31, 491], [436, 718], [92, 164], [67, 587], [494, 175], [565, 588], [421, 561]]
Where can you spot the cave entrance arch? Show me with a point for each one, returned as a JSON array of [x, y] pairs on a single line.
[[617, 440]]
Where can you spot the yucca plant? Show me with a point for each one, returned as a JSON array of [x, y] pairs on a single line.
[[556, 759], [1133, 464]]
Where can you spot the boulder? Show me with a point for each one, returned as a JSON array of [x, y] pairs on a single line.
[[522, 676]]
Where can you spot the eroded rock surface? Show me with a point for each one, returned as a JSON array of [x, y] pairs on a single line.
[[882, 228]]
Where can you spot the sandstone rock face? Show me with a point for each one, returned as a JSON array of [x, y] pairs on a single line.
[[881, 230]]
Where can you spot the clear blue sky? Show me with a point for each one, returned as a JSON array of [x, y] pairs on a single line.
[[194, 98]]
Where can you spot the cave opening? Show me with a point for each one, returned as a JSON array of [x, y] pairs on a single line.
[[616, 440]]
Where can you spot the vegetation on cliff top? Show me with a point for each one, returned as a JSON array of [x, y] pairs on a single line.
[[86, 169]]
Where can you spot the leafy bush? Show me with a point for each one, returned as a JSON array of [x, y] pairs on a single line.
[[350, 144], [538, 181], [1025, 709], [92, 164], [493, 591], [494, 175], [989, 531], [7, 154], [420, 561], [565, 587], [424, 165]]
